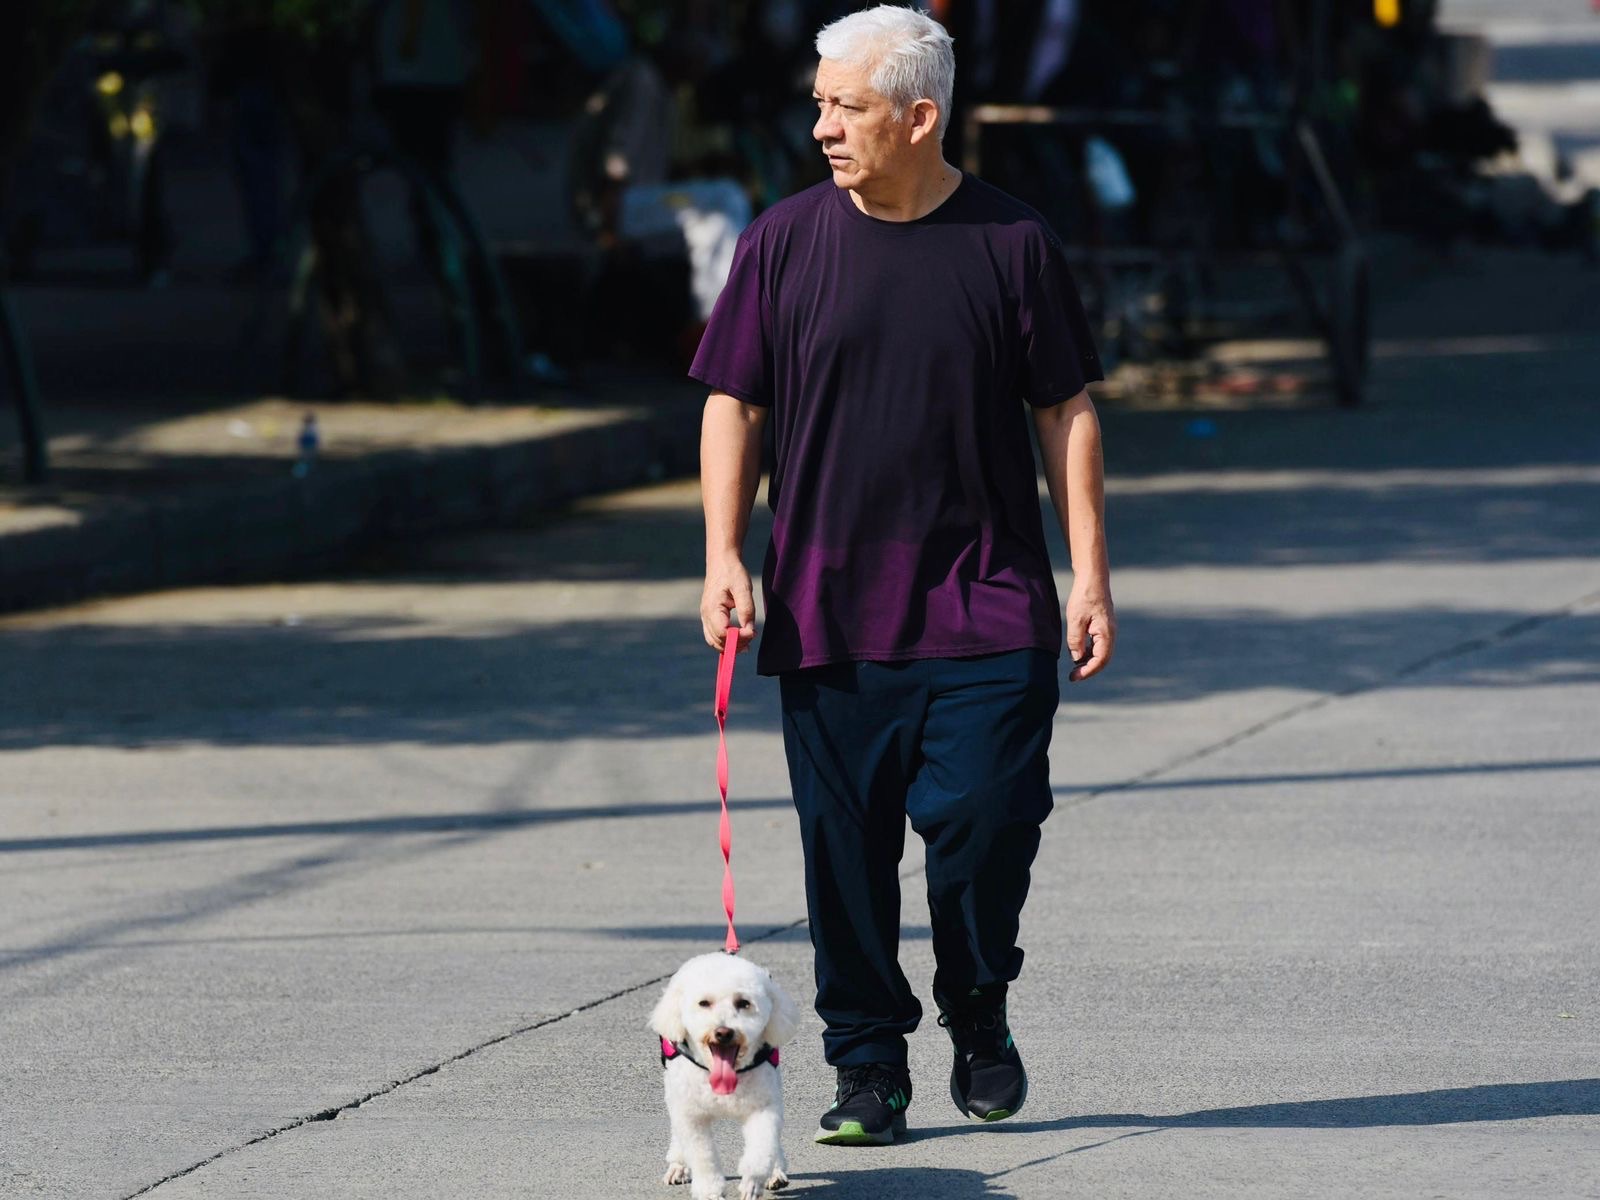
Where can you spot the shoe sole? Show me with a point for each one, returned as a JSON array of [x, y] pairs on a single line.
[[998, 1114], [853, 1133]]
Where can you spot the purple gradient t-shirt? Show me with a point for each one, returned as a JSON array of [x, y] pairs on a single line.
[[896, 357]]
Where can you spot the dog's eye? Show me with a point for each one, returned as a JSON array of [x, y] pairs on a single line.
[[741, 1004], [705, 1004]]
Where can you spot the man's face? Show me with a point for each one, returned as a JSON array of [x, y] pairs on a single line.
[[856, 126]]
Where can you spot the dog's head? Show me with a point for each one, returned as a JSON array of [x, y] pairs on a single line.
[[725, 1009]]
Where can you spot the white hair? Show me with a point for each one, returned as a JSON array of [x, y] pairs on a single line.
[[909, 53]]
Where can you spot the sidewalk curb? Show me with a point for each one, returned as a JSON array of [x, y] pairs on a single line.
[[261, 529]]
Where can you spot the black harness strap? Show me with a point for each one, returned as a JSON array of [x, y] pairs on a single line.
[[672, 1050]]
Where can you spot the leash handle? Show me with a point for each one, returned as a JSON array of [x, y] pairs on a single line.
[[730, 650]]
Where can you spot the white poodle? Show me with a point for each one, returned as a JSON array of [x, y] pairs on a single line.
[[721, 1021]]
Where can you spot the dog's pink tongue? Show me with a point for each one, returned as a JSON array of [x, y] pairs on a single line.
[[724, 1079]]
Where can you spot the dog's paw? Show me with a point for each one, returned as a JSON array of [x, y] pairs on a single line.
[[707, 1189], [749, 1188], [676, 1173]]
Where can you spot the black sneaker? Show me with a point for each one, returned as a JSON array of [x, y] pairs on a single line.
[[869, 1106], [987, 1080]]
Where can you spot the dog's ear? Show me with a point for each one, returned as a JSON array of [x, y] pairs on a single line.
[[784, 1022], [667, 1018]]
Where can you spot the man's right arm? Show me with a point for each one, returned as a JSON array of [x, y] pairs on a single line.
[[730, 471]]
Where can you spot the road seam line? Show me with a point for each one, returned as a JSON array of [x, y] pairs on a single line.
[[1461, 649], [329, 1114]]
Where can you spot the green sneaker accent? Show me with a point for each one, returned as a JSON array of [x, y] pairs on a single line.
[[851, 1133], [987, 1079], [868, 1107]]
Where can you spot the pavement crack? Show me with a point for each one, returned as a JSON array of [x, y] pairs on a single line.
[[1037, 1162], [332, 1114], [1458, 650]]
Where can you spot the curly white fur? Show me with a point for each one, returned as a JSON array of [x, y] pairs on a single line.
[[712, 993]]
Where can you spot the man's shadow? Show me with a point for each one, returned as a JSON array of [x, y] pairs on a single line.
[[1443, 1106]]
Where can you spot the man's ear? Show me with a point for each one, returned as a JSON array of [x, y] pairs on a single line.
[[784, 1022], [924, 120], [667, 1017]]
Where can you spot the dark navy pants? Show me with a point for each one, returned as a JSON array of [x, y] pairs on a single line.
[[958, 745]]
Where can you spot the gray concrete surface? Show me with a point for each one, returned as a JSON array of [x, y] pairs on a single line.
[[365, 885], [163, 498]]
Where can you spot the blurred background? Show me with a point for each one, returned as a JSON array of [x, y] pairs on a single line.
[[349, 335], [238, 233]]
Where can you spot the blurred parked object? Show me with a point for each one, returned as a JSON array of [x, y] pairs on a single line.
[[1436, 160], [422, 56], [665, 231], [1204, 159], [331, 270]]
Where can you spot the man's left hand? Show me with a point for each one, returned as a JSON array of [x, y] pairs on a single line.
[[1091, 629]]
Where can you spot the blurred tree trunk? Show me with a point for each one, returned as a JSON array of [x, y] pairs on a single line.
[[38, 35], [310, 47], [314, 73]]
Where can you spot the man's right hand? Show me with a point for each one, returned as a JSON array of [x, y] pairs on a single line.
[[727, 593]]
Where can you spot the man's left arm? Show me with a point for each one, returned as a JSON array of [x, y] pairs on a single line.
[[1069, 444]]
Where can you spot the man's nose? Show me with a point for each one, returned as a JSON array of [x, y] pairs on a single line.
[[722, 1035], [827, 129]]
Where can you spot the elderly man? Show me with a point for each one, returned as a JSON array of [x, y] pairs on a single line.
[[892, 323]]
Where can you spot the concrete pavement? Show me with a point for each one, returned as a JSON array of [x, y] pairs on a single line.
[[176, 495], [365, 885]]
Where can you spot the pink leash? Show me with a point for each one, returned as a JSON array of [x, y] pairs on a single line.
[[730, 649]]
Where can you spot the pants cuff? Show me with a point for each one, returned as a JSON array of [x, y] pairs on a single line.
[[892, 1053]]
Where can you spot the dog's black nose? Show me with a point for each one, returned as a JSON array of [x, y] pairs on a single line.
[[722, 1034]]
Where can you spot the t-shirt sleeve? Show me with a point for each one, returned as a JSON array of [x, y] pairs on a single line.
[[1057, 348], [735, 354]]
